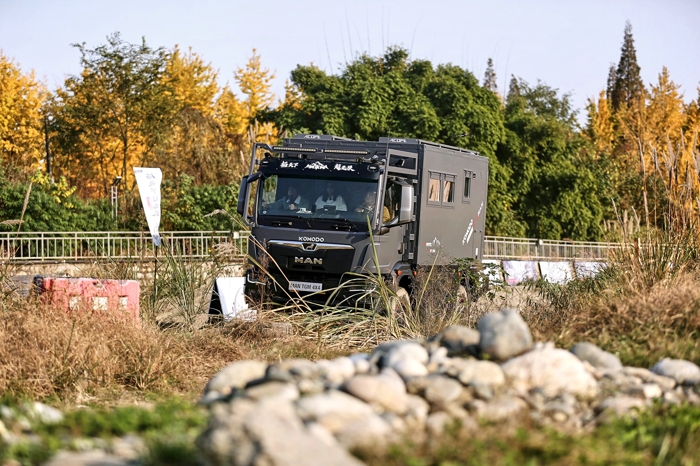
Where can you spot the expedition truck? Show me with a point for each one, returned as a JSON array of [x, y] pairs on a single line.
[[316, 203]]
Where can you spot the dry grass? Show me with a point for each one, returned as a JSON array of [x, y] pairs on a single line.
[[640, 324], [82, 355]]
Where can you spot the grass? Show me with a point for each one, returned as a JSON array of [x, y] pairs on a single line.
[[144, 379], [168, 428], [668, 435]]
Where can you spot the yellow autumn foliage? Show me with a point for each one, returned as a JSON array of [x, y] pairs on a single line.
[[21, 120]]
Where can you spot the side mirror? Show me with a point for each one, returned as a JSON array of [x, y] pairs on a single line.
[[242, 194], [406, 208], [242, 206]]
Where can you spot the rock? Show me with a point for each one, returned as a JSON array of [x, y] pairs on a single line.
[[553, 371], [645, 375], [417, 410], [651, 391], [458, 339], [310, 386], [283, 390], [343, 369], [504, 334], [436, 423], [501, 408], [408, 368], [5, 435], [233, 376], [483, 391], [268, 432], [129, 447], [337, 371], [42, 413], [616, 406], [86, 458], [386, 390], [292, 369], [682, 371], [371, 431], [333, 410], [595, 356], [361, 362], [442, 391], [408, 350], [560, 407], [6, 413], [475, 372], [321, 433], [388, 354], [438, 355]]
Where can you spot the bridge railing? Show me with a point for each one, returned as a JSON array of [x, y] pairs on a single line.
[[91, 246], [95, 246], [500, 247]]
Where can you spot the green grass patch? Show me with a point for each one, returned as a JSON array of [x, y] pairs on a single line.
[[668, 435]]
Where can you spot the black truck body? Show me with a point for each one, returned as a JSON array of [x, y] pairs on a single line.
[[428, 199]]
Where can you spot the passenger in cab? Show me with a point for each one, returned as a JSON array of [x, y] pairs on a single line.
[[331, 199], [369, 203]]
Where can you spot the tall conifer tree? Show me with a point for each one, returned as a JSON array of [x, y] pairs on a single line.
[[490, 77], [628, 87]]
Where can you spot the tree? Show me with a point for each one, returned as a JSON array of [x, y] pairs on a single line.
[[240, 118], [490, 77], [392, 95], [599, 128], [627, 87], [197, 142], [111, 116], [555, 187], [21, 120]]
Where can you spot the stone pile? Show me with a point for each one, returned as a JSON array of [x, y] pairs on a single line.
[[302, 412]]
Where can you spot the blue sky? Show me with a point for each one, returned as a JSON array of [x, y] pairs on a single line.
[[567, 44]]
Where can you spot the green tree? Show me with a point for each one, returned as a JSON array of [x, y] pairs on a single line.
[[51, 207], [555, 184], [110, 117], [392, 95]]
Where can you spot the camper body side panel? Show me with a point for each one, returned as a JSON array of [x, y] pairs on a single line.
[[450, 218]]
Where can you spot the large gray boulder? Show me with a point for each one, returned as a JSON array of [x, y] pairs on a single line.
[[504, 334], [333, 410], [458, 339], [245, 433], [552, 371], [385, 390], [595, 356], [474, 372], [231, 377], [682, 371]]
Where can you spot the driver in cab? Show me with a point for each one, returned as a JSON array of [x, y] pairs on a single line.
[[293, 201]]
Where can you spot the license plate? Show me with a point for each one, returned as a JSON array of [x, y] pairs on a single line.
[[305, 286]]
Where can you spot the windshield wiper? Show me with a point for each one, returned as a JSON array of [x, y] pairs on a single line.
[[339, 223], [283, 220]]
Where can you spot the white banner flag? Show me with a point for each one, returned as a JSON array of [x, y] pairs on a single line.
[[148, 181]]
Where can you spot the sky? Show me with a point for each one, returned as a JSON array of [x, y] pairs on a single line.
[[567, 44]]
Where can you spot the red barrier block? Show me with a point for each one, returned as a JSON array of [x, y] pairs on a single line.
[[90, 293]]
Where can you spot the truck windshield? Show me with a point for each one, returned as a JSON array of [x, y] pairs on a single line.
[[322, 203]]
